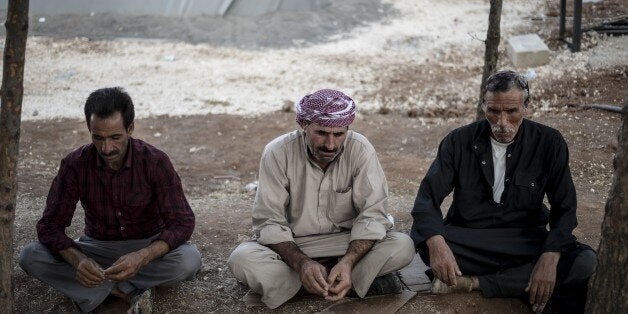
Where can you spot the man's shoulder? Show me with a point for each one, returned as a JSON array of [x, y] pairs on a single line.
[[146, 151], [80, 154], [469, 132], [357, 140], [542, 129], [284, 141]]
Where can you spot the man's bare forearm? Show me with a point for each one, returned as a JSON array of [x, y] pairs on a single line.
[[73, 256], [357, 249], [155, 250], [290, 254]]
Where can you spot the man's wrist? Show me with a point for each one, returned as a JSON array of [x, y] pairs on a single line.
[[145, 255], [73, 256], [349, 259], [357, 249], [435, 240], [551, 256]]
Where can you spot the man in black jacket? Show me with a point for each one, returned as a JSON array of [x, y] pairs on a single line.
[[494, 236]]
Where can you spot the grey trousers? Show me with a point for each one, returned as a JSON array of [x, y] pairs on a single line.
[[177, 265], [263, 271]]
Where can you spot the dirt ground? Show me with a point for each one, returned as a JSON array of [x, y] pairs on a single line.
[[216, 155]]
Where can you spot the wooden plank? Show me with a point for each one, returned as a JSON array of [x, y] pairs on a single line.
[[389, 303]]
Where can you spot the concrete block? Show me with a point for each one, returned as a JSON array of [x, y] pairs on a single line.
[[527, 51]]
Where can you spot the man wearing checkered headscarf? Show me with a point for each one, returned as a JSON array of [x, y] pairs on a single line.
[[320, 214], [326, 107]]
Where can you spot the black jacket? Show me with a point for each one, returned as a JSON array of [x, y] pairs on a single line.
[[537, 164]]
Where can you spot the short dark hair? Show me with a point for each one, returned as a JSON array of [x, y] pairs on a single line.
[[105, 102], [503, 81]]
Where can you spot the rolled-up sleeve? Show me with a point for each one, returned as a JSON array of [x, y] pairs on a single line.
[[269, 211], [370, 198]]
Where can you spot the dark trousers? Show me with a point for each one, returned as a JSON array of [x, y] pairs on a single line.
[[507, 276]]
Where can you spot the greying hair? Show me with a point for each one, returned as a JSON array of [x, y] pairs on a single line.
[[503, 81]]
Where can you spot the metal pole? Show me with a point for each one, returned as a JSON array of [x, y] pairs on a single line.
[[561, 27], [577, 25]]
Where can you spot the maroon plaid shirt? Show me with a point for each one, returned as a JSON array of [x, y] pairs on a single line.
[[143, 198]]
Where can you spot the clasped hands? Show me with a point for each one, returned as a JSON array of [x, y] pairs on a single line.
[[333, 286], [90, 274]]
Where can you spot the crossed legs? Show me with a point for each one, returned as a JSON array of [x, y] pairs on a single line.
[[177, 265], [263, 271]]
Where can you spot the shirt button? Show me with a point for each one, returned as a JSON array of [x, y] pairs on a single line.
[[122, 228], [119, 214], [508, 155], [483, 162], [507, 179], [475, 146], [532, 184]]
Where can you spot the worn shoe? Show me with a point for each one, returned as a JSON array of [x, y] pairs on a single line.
[[463, 284], [386, 284], [141, 303]]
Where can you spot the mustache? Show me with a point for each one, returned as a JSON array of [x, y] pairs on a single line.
[[323, 149], [502, 129], [113, 153]]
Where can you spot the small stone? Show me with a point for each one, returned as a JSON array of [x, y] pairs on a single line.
[[287, 106]]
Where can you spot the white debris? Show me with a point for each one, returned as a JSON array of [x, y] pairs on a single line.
[[251, 187]]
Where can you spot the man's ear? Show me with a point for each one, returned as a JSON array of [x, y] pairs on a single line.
[[130, 129]]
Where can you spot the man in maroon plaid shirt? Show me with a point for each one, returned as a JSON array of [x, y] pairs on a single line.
[[137, 219]]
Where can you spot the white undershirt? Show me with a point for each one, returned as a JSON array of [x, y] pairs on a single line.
[[499, 168]]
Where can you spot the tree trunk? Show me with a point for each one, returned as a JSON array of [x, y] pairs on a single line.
[[608, 288], [490, 50], [10, 115]]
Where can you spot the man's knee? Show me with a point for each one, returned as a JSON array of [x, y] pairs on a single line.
[[402, 248], [241, 257], [187, 259], [583, 266], [32, 254]]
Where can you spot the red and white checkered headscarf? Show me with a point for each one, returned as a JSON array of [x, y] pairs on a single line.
[[327, 107]]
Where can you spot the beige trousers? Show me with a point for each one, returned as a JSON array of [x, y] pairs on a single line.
[[262, 270]]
